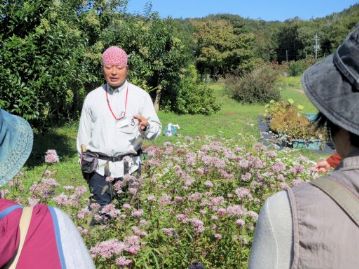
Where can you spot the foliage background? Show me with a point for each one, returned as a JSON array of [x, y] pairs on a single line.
[[50, 53]]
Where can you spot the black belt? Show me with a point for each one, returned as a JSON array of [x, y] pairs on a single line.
[[117, 158]]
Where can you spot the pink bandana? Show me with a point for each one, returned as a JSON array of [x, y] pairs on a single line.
[[114, 56]]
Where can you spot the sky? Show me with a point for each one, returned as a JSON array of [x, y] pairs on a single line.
[[268, 10]]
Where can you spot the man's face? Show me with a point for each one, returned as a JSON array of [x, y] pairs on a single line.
[[115, 75]]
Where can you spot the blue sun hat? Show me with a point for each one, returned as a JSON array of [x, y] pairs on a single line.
[[333, 84], [16, 138]]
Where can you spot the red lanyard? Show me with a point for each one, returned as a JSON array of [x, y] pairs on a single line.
[[123, 114]]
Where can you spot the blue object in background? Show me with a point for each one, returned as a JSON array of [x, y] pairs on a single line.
[[171, 129], [311, 116]]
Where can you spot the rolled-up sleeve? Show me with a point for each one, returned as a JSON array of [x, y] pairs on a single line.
[[149, 112], [85, 126]]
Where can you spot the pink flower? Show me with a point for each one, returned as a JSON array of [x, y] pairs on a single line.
[[218, 236], [83, 213], [182, 218], [243, 164], [246, 177], [195, 196], [165, 200], [107, 249], [240, 222], [137, 213], [123, 262], [110, 210], [235, 210], [169, 231], [132, 244], [137, 231], [221, 212], [208, 184], [243, 192], [198, 225], [61, 199], [278, 167], [253, 215], [151, 198], [51, 156]]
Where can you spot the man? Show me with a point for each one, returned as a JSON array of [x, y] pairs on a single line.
[[115, 119]]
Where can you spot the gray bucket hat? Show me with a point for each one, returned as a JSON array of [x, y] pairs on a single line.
[[16, 138], [333, 84]]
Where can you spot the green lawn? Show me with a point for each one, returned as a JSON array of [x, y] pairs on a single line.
[[290, 87], [233, 118]]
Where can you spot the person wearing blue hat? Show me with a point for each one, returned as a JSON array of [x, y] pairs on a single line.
[[39, 237], [315, 224]]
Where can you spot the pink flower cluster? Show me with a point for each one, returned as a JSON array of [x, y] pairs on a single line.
[[51, 156]]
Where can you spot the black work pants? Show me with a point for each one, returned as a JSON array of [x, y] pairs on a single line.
[[102, 191]]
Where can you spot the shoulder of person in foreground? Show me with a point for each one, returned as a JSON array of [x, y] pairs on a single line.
[[75, 257], [272, 245]]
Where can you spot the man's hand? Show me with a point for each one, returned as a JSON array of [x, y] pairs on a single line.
[[142, 122]]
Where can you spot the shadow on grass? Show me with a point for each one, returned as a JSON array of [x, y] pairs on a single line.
[[64, 146]]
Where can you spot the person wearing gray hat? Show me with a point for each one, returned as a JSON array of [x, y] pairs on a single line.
[[315, 224], [41, 236]]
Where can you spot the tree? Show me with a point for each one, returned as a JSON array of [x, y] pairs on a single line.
[[221, 48], [289, 43], [41, 60]]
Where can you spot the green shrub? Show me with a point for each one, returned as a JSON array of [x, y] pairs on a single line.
[[296, 68], [254, 87], [193, 96]]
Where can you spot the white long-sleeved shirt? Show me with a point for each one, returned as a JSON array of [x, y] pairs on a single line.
[[100, 132]]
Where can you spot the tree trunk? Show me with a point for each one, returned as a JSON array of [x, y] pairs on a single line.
[[158, 98]]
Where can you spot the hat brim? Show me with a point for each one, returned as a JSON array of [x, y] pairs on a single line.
[[332, 94], [18, 142]]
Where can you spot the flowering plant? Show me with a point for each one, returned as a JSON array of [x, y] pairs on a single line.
[[197, 201], [286, 118]]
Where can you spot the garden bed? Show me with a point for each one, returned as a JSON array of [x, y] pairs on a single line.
[[269, 138]]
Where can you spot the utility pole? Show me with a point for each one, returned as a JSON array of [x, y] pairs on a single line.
[[286, 55], [316, 45]]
